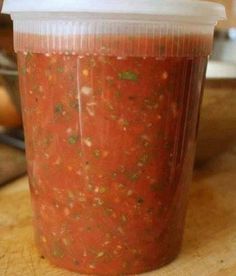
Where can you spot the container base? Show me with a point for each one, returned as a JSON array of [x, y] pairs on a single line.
[[165, 262]]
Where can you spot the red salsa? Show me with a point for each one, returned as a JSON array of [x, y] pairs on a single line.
[[110, 146]]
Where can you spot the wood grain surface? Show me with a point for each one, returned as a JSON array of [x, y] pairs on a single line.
[[209, 247]]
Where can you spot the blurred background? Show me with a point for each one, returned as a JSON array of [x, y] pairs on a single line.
[[218, 118]]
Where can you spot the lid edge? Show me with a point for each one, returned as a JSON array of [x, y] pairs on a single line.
[[151, 7]]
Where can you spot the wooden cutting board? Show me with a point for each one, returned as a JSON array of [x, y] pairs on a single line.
[[209, 247]]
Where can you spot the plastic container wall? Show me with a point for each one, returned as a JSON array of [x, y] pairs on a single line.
[[111, 108], [112, 37]]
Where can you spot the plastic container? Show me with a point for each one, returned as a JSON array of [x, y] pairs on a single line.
[[111, 94]]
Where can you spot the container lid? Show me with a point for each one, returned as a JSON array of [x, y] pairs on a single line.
[[188, 8]]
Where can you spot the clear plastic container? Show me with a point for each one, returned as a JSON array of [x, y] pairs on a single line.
[[111, 94]]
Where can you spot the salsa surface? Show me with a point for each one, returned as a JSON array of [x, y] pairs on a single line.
[[110, 146]]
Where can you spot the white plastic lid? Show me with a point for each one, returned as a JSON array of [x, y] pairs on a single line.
[[182, 8]]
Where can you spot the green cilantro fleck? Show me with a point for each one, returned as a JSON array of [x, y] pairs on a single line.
[[73, 139], [108, 211], [23, 70], [60, 69], [146, 144], [47, 140], [114, 117], [117, 93], [110, 81], [144, 158], [92, 62], [58, 108], [128, 75], [133, 176], [29, 55], [126, 123], [102, 190], [57, 251], [74, 104]]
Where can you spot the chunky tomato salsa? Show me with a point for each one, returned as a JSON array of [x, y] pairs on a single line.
[[110, 146]]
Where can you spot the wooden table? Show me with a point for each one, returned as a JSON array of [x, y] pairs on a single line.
[[209, 242]]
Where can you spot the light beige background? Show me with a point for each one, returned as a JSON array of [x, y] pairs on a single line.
[[231, 13]]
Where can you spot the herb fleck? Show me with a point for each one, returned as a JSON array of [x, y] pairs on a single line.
[[58, 251], [58, 108], [23, 70], [60, 69], [73, 139], [92, 62], [133, 176], [114, 117], [144, 158], [74, 104], [117, 93], [128, 75], [108, 211], [125, 123], [102, 190]]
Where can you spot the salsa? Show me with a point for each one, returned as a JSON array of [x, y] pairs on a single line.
[[110, 147]]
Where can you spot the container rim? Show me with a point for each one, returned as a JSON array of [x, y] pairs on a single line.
[[210, 11]]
